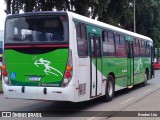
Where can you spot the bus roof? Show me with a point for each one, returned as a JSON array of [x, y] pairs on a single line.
[[38, 13], [104, 25]]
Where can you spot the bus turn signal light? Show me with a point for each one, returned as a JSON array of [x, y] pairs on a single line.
[[69, 68], [3, 67]]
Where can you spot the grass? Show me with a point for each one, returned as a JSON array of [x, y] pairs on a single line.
[[0, 85]]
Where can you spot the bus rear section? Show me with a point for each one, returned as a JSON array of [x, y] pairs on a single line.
[[37, 60]]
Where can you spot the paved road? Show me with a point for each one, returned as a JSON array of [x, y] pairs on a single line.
[[122, 101]]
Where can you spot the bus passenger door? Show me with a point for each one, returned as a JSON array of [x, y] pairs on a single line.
[[95, 65], [130, 63]]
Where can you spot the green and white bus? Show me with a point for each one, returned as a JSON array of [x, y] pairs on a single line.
[[63, 56]]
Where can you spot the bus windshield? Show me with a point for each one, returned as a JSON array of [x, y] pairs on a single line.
[[37, 29]]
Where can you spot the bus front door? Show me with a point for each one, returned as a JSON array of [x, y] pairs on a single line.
[[95, 65], [152, 62], [130, 64]]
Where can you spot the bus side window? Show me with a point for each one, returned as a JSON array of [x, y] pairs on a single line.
[[122, 46], [108, 44], [117, 44], [82, 45], [92, 47], [142, 48], [147, 49], [117, 39], [136, 47], [98, 47]]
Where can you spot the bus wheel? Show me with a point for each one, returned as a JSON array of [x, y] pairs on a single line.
[[145, 79], [110, 87]]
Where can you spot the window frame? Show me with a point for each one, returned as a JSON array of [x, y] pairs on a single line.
[[136, 46], [80, 38], [108, 42], [142, 48], [120, 45]]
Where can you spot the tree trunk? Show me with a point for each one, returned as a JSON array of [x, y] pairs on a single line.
[[8, 5]]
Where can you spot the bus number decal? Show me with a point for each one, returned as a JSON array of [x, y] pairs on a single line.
[[124, 71]]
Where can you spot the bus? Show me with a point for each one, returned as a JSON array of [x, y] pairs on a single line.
[[63, 56]]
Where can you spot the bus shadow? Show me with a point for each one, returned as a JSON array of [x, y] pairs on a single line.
[[131, 90], [70, 109], [64, 109]]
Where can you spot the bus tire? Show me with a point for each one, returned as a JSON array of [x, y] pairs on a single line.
[[110, 87]]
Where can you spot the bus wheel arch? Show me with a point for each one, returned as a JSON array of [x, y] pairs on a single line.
[[110, 87]]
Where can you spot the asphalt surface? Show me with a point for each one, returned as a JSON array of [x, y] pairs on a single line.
[[137, 99]]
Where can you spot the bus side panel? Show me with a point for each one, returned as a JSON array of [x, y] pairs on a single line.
[[141, 64], [117, 66], [81, 68], [139, 69], [83, 79]]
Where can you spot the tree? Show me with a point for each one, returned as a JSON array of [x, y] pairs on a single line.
[[115, 12], [118, 13], [148, 19]]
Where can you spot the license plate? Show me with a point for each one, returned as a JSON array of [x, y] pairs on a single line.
[[34, 78]]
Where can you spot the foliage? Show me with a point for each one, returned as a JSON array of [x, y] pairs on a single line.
[[115, 12], [148, 17]]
